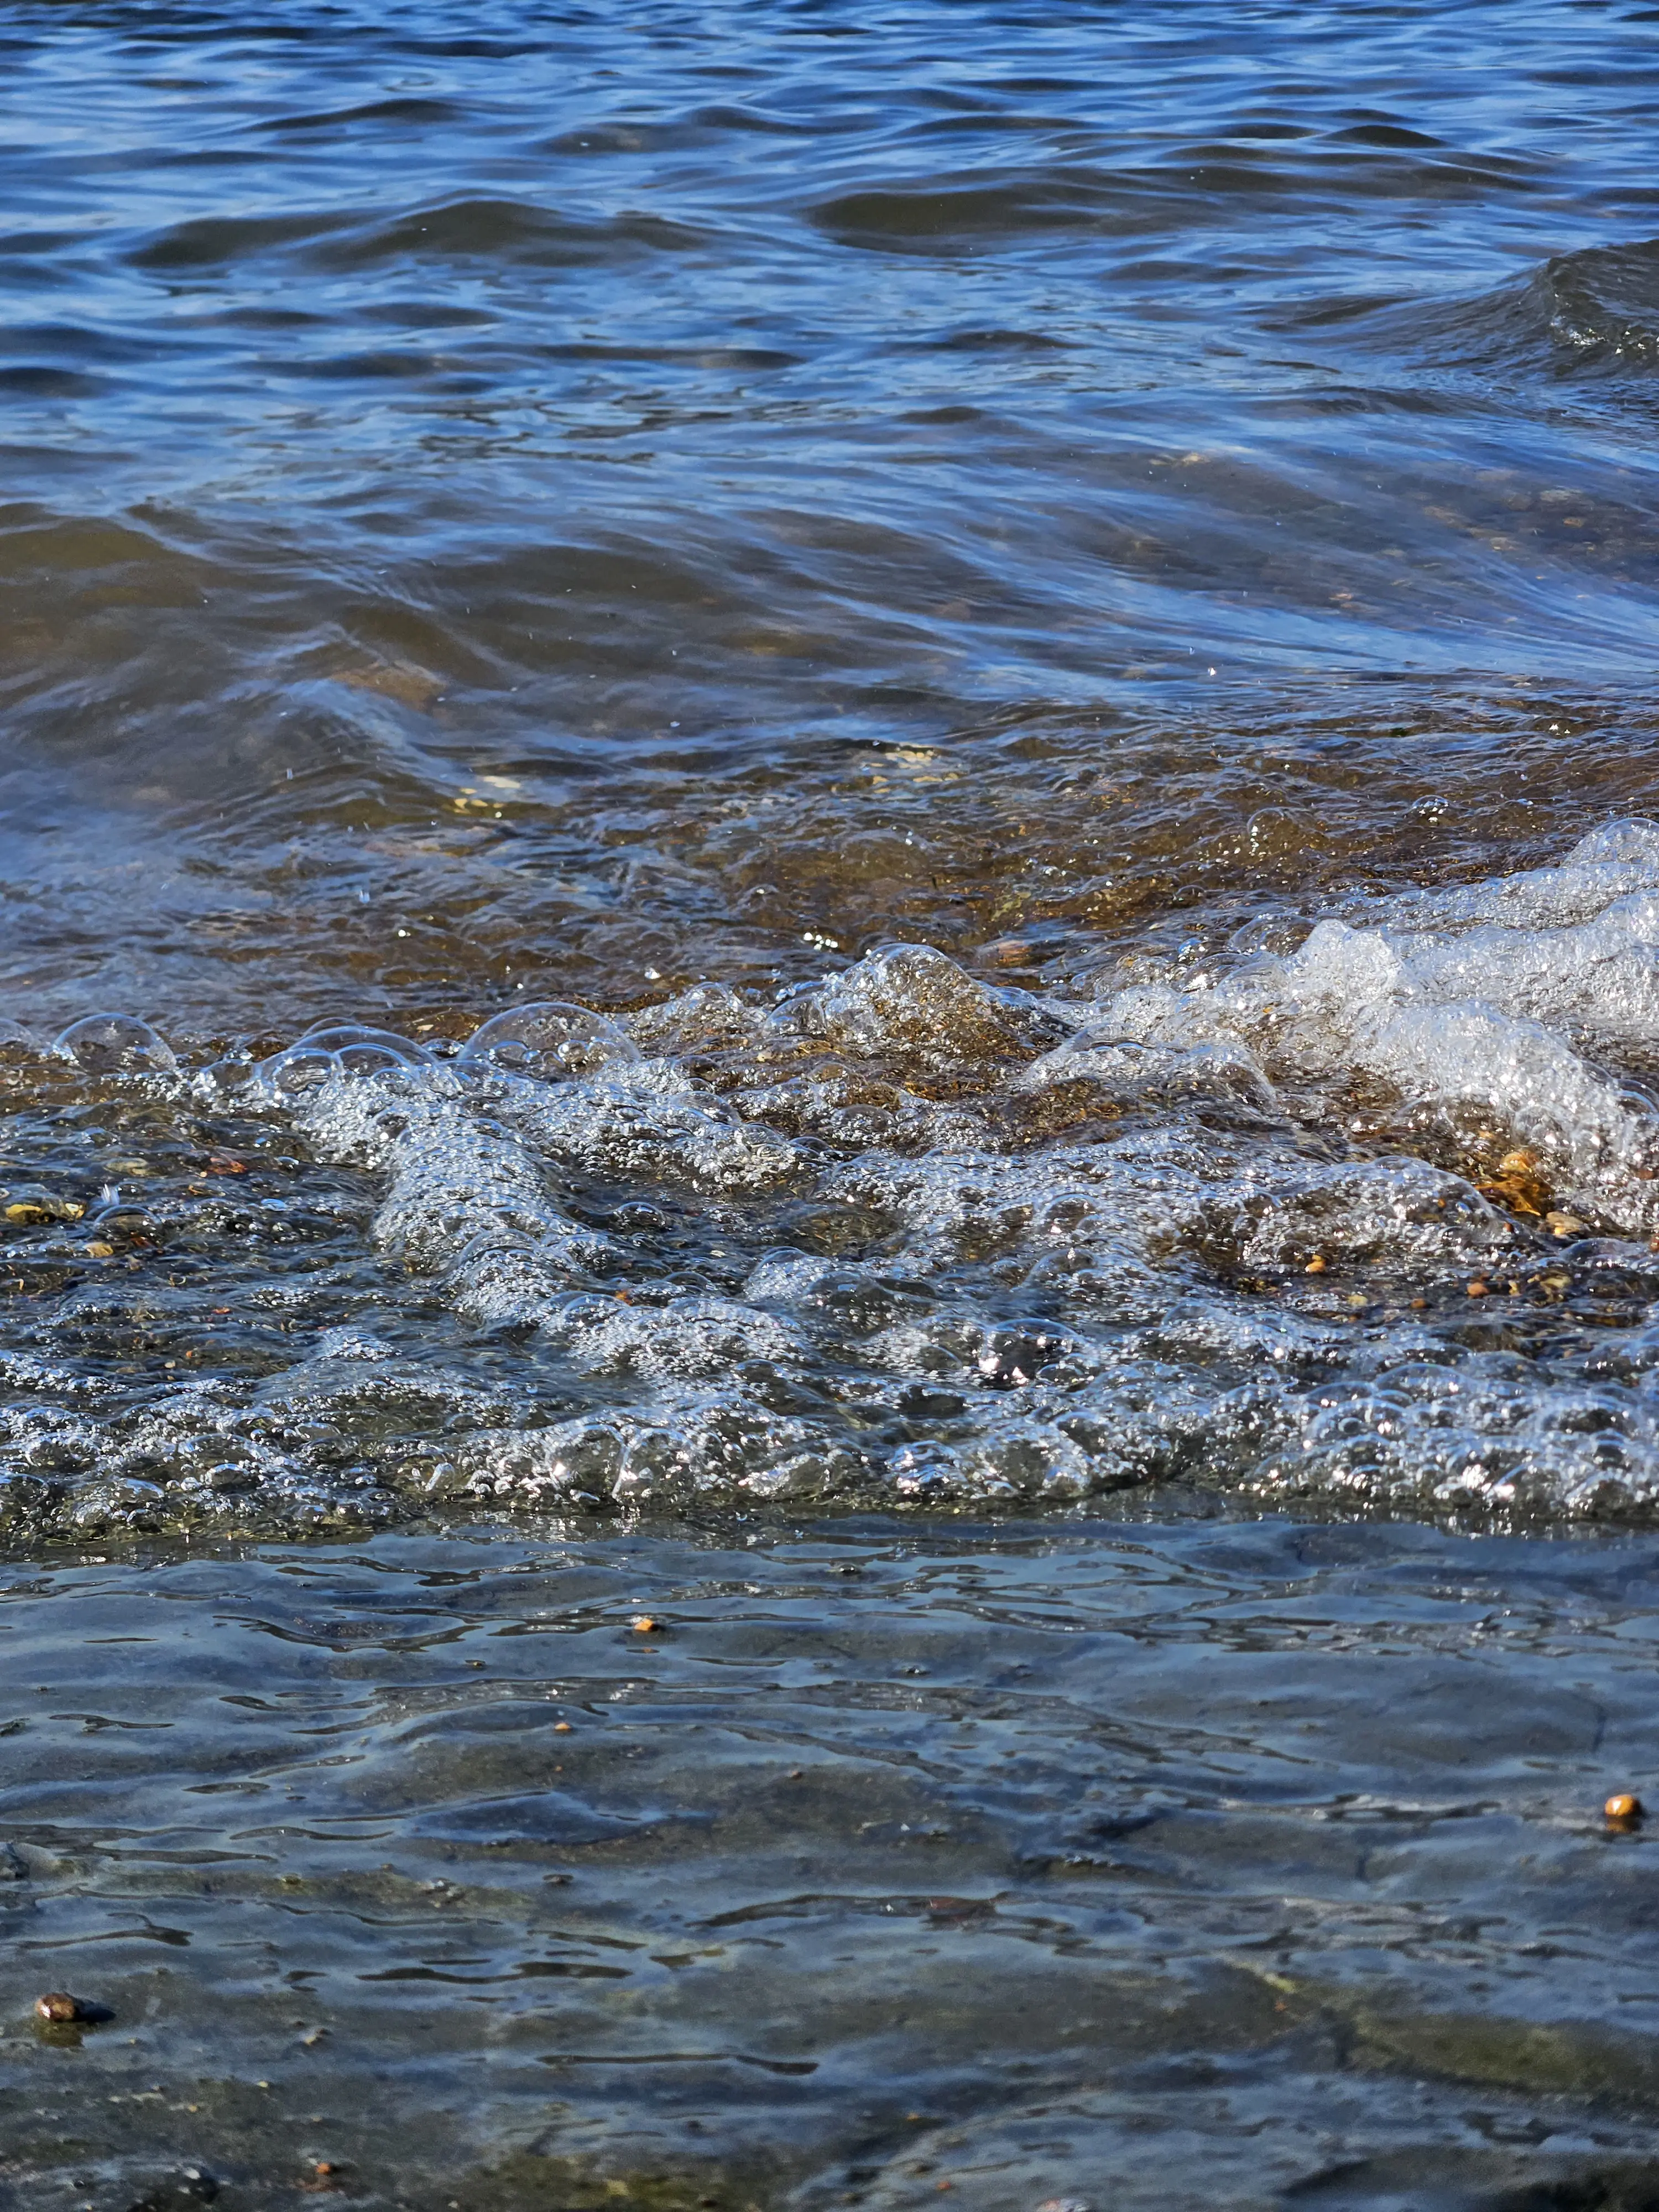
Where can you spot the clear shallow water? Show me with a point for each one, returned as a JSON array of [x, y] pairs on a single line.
[[767, 762], [1184, 1862]]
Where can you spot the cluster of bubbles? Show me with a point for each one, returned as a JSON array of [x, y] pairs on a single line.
[[1363, 1209]]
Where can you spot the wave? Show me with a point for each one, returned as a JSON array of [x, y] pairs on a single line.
[[1593, 311], [1365, 1212]]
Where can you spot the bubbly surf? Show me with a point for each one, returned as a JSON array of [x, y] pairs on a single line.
[[1359, 1208]]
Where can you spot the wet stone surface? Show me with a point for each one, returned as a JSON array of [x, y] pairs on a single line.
[[1029, 1863]]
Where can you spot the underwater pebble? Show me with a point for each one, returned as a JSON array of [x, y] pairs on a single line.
[[58, 2007]]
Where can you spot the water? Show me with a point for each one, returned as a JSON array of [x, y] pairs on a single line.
[[869, 779], [1241, 1864]]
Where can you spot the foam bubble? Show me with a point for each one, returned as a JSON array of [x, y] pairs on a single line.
[[550, 1038], [115, 1044], [1363, 1210]]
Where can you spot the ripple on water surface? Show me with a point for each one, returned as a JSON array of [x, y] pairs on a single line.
[[885, 1857], [764, 759]]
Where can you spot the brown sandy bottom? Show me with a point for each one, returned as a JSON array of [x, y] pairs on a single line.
[[1162, 1861]]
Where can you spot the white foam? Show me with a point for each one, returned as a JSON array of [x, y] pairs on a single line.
[[906, 1236]]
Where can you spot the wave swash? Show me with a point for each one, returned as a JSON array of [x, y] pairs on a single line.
[[1363, 1211]]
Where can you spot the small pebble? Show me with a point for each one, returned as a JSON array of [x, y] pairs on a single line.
[[646, 1624], [60, 2008], [1317, 1265], [1623, 1807], [1478, 1290], [29, 1212], [563, 1728]]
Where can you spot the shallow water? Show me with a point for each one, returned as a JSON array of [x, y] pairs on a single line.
[[1146, 515], [769, 763], [1186, 1860]]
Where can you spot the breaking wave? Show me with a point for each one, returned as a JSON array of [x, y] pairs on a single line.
[[1362, 1208]]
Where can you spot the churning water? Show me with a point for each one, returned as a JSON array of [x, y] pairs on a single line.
[[846, 779]]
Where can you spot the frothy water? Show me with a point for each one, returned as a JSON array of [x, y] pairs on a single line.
[[1359, 1208]]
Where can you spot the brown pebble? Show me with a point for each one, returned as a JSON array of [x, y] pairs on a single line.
[[1518, 1185], [1478, 1290], [59, 2007], [30, 1212], [646, 1624], [563, 1728], [1623, 1807], [1317, 1265]]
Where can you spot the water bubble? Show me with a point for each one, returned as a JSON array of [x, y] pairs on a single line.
[[341, 1050], [550, 1038], [115, 1044], [911, 999]]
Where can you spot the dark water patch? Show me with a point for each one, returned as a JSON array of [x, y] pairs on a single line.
[[1384, 132], [506, 231], [213, 242], [406, 110], [1000, 342], [351, 367], [1605, 303], [1592, 314], [917, 217], [44, 380], [750, 357]]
